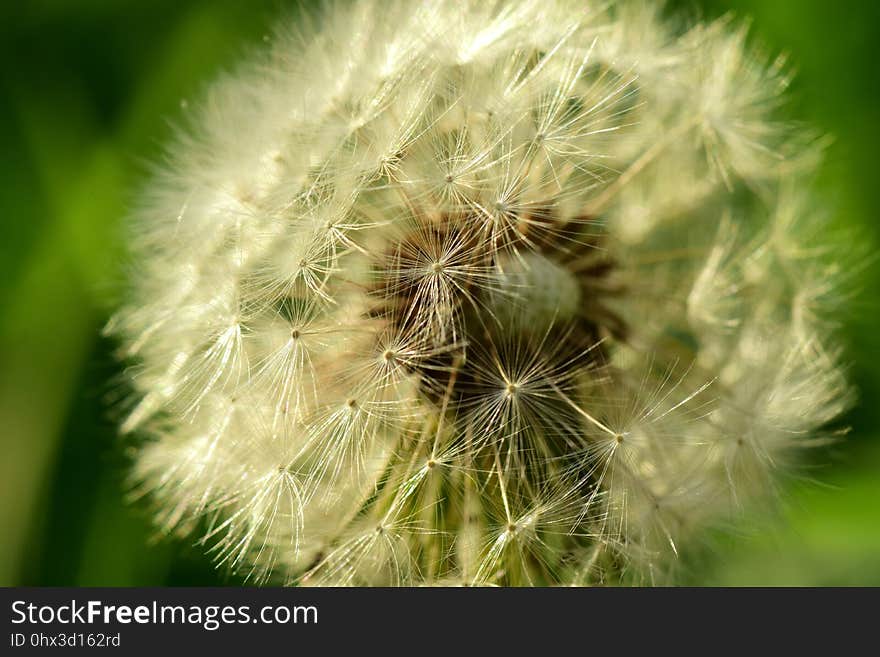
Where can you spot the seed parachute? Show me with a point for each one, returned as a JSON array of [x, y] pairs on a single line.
[[514, 293]]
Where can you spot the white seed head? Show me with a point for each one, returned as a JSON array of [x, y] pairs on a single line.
[[514, 293]]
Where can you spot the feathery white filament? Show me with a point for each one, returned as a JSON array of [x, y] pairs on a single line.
[[478, 292]]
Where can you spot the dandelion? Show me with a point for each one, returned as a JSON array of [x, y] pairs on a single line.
[[493, 293]]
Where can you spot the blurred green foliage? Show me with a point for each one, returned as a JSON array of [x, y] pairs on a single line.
[[89, 90]]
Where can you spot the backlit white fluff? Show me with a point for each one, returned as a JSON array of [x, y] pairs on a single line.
[[514, 293]]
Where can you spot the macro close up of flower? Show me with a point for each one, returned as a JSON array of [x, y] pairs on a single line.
[[488, 293]]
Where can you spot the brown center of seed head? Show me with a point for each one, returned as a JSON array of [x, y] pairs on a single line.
[[532, 293]]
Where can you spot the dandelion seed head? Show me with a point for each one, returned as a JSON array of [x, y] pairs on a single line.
[[514, 293]]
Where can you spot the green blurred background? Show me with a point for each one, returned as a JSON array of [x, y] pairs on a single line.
[[89, 90]]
